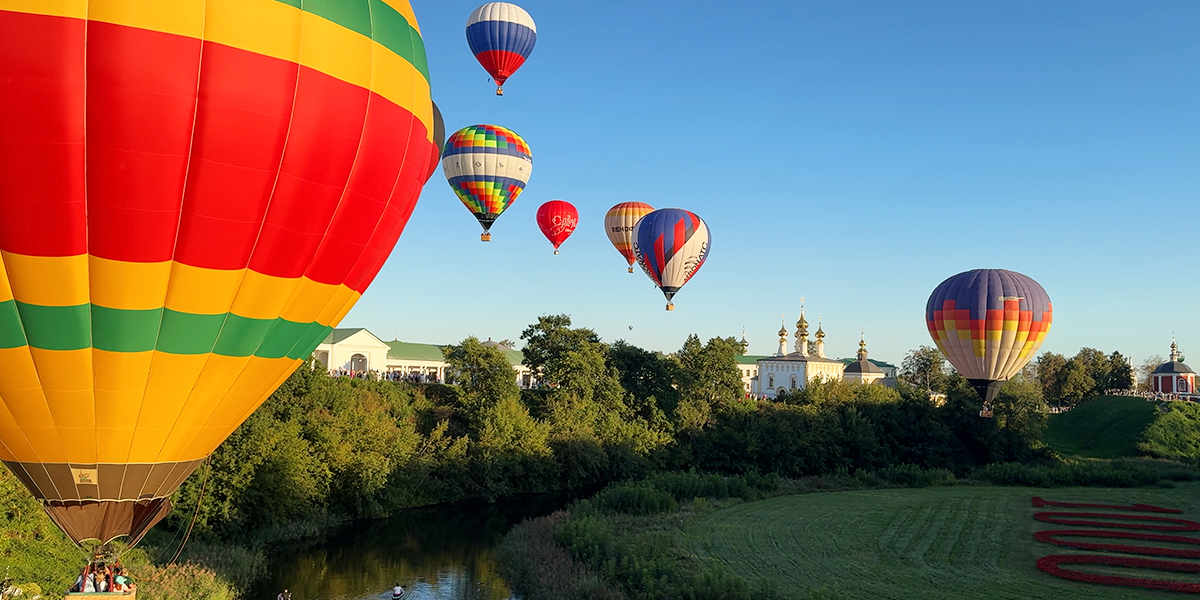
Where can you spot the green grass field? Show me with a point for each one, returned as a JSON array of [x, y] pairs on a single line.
[[1106, 427], [935, 543]]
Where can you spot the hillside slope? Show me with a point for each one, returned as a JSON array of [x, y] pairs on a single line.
[[1106, 427]]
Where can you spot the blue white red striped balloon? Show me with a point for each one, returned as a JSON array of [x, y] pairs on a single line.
[[671, 244], [501, 36]]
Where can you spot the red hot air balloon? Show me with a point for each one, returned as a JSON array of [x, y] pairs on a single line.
[[558, 220]]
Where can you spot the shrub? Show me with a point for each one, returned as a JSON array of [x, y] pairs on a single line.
[[915, 477], [1117, 473], [641, 498]]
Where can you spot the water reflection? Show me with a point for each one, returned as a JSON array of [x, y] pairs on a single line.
[[442, 553]]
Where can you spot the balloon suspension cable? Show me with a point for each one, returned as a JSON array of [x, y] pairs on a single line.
[[187, 534], [485, 236]]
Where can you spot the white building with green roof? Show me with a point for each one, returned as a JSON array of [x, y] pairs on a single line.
[[353, 351]]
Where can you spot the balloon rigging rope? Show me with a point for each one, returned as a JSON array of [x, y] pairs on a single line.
[[192, 524]]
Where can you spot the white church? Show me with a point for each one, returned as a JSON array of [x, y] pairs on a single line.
[[786, 371]]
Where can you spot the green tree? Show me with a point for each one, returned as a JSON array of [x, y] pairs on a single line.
[[710, 372], [1021, 409], [550, 338], [925, 368], [1076, 385], [1098, 368], [483, 374], [1050, 371], [647, 376], [1120, 372]]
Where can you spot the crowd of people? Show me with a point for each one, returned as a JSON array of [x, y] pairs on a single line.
[[388, 376], [1153, 396], [101, 577]]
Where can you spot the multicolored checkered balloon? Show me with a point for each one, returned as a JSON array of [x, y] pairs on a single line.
[[989, 323], [487, 167]]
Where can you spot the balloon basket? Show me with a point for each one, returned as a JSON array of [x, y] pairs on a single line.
[[986, 411], [630, 269], [556, 251], [500, 91], [670, 306], [485, 237]]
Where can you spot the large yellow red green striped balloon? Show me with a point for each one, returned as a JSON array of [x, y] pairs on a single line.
[[192, 194]]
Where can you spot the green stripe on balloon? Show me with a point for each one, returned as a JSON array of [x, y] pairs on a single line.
[[12, 335], [165, 330], [376, 20]]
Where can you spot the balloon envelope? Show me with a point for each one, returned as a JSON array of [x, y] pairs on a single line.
[[501, 36], [191, 197], [989, 323], [557, 220], [618, 226], [439, 141], [488, 167], [671, 244]]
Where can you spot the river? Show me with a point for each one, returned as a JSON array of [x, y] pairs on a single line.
[[443, 552]]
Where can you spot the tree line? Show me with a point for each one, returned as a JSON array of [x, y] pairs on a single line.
[[1063, 381], [335, 448]]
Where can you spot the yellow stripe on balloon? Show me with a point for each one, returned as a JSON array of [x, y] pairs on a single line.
[[200, 291], [240, 24], [15, 446], [128, 285], [309, 300], [5, 288], [76, 9], [348, 299], [177, 17], [262, 296], [335, 50], [48, 280], [120, 388]]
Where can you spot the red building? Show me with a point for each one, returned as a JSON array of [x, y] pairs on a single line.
[[1174, 377]]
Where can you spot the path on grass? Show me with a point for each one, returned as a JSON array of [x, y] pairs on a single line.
[[937, 543]]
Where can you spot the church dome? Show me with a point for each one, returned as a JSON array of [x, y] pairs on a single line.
[[863, 366], [1173, 367]]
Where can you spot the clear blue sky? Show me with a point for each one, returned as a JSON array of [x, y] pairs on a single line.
[[856, 153]]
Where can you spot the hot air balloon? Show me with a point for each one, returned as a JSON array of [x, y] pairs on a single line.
[[439, 141], [557, 220], [488, 167], [618, 225], [671, 244], [501, 36], [989, 323], [176, 240]]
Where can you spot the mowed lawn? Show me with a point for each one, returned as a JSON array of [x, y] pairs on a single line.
[[951, 543]]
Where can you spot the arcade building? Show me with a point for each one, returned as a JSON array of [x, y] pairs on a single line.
[[1174, 377]]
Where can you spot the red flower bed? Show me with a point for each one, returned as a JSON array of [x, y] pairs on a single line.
[[1050, 564], [1051, 537], [1061, 519], [1038, 502]]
